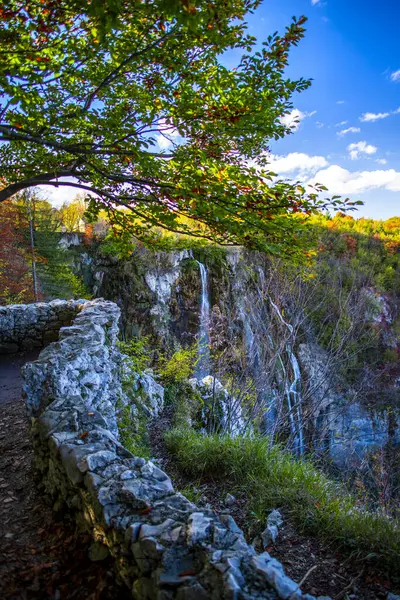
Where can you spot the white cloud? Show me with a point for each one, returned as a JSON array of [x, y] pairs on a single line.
[[314, 2], [297, 162], [167, 131], [374, 116], [395, 76], [340, 102], [163, 142], [58, 195], [316, 169], [344, 182], [319, 124], [360, 148], [294, 118], [381, 161], [341, 123], [377, 116], [348, 130], [394, 184]]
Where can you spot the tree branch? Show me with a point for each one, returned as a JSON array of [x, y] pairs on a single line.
[[43, 179], [77, 149], [107, 80]]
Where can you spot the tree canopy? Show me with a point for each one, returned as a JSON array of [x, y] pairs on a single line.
[[132, 100]]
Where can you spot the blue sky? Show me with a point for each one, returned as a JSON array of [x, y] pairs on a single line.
[[348, 136], [352, 52]]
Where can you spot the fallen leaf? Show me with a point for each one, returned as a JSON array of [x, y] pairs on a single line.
[[146, 511]]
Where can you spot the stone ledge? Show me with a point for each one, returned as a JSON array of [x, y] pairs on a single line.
[[28, 326]]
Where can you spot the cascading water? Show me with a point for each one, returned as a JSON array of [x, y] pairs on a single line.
[[292, 387], [203, 367], [289, 371], [251, 313], [231, 418]]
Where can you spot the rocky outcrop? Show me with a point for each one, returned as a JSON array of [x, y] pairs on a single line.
[[348, 431], [151, 288], [220, 411], [69, 239], [27, 326], [142, 390], [252, 317], [163, 545]]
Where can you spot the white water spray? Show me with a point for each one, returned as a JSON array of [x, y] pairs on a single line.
[[203, 366], [293, 393]]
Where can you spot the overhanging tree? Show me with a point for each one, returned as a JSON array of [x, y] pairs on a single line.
[[131, 100]]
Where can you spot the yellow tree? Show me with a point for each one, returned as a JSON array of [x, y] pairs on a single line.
[[71, 213]]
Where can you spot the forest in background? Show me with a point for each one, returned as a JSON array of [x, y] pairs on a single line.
[[30, 232], [369, 247]]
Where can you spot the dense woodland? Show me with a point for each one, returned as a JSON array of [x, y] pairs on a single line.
[[368, 248]]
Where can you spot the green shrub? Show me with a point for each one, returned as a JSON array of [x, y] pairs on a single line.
[[179, 367], [138, 350], [132, 426], [272, 478]]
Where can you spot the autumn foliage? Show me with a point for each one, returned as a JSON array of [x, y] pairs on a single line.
[[15, 271]]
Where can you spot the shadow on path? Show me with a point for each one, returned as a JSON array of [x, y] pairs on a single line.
[[10, 375], [40, 558]]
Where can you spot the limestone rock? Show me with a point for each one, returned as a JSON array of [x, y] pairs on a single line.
[[270, 533], [229, 500]]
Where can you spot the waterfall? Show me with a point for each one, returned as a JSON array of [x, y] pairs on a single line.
[[249, 338], [290, 374], [292, 387], [203, 366], [296, 401]]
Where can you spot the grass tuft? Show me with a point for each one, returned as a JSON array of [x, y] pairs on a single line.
[[272, 478]]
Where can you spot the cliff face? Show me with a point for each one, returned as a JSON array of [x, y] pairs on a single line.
[[321, 382]]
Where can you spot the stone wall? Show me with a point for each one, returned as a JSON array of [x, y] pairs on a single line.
[[164, 546], [27, 326]]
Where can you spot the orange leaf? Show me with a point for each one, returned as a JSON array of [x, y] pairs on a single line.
[[146, 511]]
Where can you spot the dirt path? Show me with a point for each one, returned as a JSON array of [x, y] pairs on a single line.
[[40, 558]]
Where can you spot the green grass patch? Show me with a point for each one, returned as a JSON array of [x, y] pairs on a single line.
[[191, 492], [133, 432], [272, 478]]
